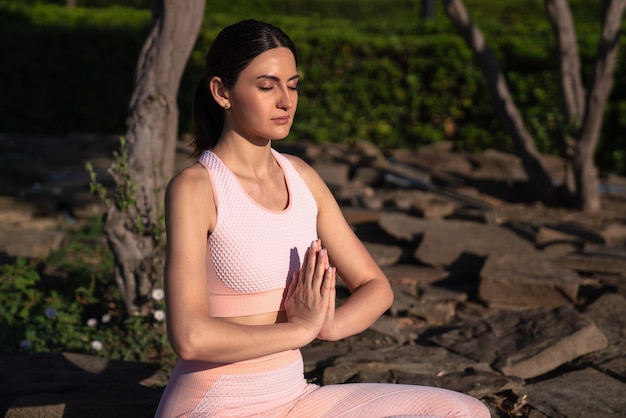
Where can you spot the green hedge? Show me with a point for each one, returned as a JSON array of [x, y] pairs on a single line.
[[392, 78]]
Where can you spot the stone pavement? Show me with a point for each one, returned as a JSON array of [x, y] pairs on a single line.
[[520, 305]]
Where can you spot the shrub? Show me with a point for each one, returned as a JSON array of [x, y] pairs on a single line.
[[370, 71], [74, 306]]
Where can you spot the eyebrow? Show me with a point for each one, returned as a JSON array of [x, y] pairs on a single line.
[[277, 79]]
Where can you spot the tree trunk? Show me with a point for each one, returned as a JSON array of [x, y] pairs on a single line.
[[601, 83], [503, 103], [572, 86], [134, 224]]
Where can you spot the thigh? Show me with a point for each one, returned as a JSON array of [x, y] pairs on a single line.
[[375, 400]]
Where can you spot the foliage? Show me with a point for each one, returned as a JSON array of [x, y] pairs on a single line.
[[147, 221], [371, 70], [74, 305]]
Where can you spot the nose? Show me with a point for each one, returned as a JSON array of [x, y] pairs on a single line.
[[286, 100]]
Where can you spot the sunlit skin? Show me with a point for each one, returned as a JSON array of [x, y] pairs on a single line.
[[264, 99], [261, 107]]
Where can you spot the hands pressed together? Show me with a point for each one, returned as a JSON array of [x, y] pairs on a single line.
[[310, 301]]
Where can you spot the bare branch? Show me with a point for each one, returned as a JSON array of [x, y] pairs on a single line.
[[602, 81], [560, 18], [503, 102]]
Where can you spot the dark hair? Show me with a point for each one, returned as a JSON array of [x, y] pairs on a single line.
[[230, 53]]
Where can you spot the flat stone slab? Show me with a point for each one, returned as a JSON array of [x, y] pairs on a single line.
[[76, 385], [375, 365], [526, 280], [525, 343], [411, 274], [594, 263], [585, 393], [609, 313], [472, 382], [384, 255], [402, 226], [444, 242], [30, 242]]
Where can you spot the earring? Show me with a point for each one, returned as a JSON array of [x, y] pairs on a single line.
[[226, 105]]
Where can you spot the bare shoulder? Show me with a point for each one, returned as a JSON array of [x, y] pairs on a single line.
[[190, 191], [192, 179]]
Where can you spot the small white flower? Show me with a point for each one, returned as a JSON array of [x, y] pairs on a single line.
[[25, 345], [159, 314], [92, 322], [96, 345], [157, 294], [106, 318]]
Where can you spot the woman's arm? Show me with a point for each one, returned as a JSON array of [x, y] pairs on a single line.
[[371, 294], [193, 334]]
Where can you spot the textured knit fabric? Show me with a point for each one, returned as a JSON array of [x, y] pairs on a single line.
[[274, 386], [253, 251], [249, 243]]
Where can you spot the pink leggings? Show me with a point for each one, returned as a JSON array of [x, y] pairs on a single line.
[[274, 386]]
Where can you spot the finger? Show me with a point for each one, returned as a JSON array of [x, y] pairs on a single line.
[[321, 267], [329, 279], [333, 288], [309, 264], [293, 284]]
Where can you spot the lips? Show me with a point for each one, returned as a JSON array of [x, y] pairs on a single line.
[[281, 120]]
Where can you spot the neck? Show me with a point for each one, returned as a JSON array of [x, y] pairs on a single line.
[[245, 157]]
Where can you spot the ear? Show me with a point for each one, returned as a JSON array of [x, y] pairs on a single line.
[[219, 92]]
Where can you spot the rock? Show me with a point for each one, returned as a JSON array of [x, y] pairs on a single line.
[[33, 242], [368, 175], [334, 175], [547, 237], [584, 393], [393, 328], [65, 384], [526, 280], [487, 291], [475, 383], [590, 262], [411, 274], [434, 313], [369, 150], [355, 216], [15, 211], [375, 365], [494, 164], [609, 313], [615, 234], [402, 226], [527, 343], [435, 159], [384, 255], [444, 242], [433, 208]]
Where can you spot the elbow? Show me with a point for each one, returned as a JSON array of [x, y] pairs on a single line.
[[389, 297], [183, 345], [184, 352]]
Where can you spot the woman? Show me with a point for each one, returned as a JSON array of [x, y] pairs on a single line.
[[255, 239]]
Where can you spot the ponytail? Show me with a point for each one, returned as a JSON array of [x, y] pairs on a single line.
[[208, 117]]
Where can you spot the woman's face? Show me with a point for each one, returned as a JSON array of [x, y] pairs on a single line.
[[265, 98]]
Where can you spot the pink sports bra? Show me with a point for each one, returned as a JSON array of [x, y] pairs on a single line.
[[253, 251]]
